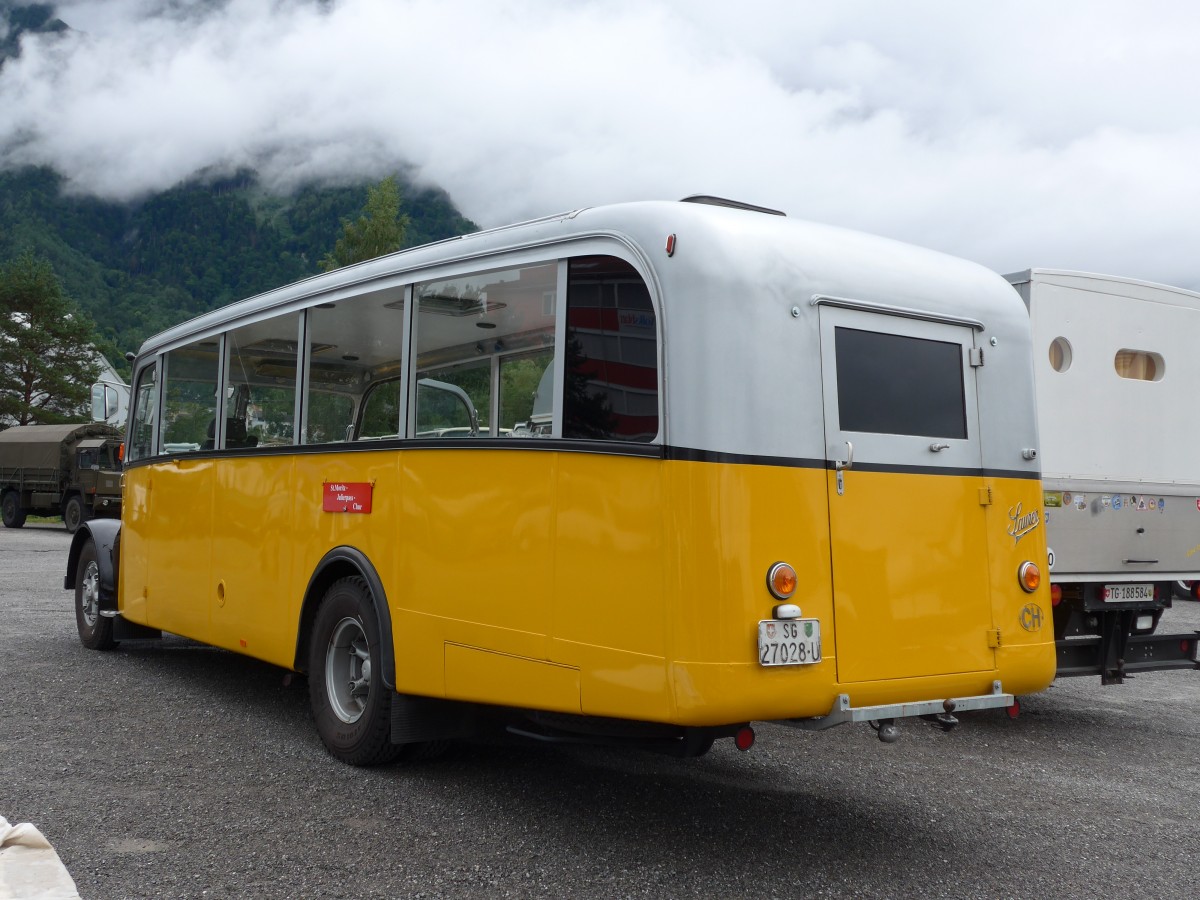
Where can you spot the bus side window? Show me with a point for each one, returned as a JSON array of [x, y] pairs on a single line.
[[611, 390], [144, 417], [483, 341], [260, 404], [190, 404], [356, 348]]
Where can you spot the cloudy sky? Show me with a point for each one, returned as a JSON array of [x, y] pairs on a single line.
[[1023, 133]]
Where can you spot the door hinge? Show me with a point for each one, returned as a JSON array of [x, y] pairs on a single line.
[[993, 636], [985, 496], [976, 357]]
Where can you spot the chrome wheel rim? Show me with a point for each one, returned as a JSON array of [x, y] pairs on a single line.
[[89, 594], [348, 670]]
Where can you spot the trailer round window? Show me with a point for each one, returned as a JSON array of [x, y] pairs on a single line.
[[1139, 365], [1060, 354]]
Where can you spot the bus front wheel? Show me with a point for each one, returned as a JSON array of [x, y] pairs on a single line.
[[95, 630], [350, 703]]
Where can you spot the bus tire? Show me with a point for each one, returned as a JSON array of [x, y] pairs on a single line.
[[95, 630], [74, 514], [10, 510], [350, 703]]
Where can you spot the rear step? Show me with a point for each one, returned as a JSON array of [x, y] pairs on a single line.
[[843, 713]]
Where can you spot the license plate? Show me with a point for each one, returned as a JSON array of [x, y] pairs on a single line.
[[789, 642], [1123, 593]]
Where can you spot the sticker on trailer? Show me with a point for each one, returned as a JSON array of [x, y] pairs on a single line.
[[1117, 502], [1054, 499], [1106, 501]]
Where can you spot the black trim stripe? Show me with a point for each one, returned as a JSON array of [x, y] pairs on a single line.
[[605, 448], [943, 470], [689, 454]]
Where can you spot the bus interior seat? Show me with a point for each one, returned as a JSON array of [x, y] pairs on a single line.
[[235, 435]]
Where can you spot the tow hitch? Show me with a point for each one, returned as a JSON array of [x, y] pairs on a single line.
[[883, 718]]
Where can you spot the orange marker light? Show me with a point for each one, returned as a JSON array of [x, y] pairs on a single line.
[[781, 580], [1030, 576]]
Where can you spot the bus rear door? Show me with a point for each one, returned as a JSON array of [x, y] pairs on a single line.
[[908, 535]]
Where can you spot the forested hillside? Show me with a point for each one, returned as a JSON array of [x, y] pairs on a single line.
[[139, 268]]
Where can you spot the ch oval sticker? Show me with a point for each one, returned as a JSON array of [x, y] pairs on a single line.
[[1031, 617]]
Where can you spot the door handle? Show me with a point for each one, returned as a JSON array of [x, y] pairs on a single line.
[[848, 462], [937, 448]]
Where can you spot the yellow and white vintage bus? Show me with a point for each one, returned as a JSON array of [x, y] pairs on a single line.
[[641, 474]]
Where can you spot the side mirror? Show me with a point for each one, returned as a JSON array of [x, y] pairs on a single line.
[[104, 402]]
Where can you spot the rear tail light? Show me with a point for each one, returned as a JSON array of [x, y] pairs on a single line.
[[1029, 576], [781, 580], [1195, 590], [1055, 594], [1014, 709]]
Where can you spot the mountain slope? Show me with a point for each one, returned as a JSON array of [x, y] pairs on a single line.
[[139, 268]]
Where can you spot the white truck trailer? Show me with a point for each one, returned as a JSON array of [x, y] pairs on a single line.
[[1117, 375]]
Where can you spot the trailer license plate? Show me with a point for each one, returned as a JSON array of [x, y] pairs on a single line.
[[1123, 593], [789, 642]]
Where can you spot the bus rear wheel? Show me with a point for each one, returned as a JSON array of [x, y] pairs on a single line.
[[350, 703], [95, 630]]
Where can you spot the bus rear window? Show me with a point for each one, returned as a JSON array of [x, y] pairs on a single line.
[[611, 390], [896, 384]]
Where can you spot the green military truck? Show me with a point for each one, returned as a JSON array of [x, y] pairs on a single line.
[[73, 471]]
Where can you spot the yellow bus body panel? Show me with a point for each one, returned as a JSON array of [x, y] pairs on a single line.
[[607, 585], [911, 575]]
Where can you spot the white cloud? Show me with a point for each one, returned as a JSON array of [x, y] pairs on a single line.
[[1015, 134]]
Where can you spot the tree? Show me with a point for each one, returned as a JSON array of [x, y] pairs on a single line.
[[48, 357], [381, 229]]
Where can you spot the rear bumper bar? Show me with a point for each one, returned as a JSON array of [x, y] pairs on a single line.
[[843, 713], [1142, 653]]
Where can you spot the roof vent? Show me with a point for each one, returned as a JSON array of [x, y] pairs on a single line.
[[730, 204]]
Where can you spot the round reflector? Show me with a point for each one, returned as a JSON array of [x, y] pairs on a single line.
[[1030, 576], [1015, 709], [1055, 594], [781, 580], [744, 739]]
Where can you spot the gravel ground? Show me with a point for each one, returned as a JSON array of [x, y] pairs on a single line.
[[168, 769]]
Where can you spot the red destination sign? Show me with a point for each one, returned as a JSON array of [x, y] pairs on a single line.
[[347, 497]]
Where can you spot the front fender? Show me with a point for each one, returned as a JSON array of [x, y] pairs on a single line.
[[106, 533]]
